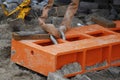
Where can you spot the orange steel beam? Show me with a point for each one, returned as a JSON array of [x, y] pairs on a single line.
[[86, 45]]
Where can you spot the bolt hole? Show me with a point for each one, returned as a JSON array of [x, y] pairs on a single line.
[[32, 52]]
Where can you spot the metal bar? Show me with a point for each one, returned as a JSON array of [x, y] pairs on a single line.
[[62, 35], [53, 39]]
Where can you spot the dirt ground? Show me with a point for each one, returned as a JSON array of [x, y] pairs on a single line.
[[9, 70]]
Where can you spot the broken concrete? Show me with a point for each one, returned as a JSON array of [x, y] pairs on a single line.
[[54, 76], [71, 68], [81, 77], [102, 64], [115, 71], [66, 69]]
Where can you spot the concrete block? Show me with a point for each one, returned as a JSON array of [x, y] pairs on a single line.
[[81, 77], [71, 68], [53, 76]]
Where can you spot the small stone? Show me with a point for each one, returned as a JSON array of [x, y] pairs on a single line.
[[2, 70], [59, 72], [71, 68], [61, 10], [81, 77], [65, 70], [53, 76], [77, 67], [84, 77], [75, 22], [78, 76], [114, 70]]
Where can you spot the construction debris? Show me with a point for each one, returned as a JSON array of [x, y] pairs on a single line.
[[97, 65], [115, 71], [68, 69], [81, 77], [54, 76], [103, 22], [112, 73], [10, 71]]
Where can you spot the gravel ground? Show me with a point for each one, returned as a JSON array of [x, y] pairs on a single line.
[[9, 70]]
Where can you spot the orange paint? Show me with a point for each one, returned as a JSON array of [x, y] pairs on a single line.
[[86, 45]]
